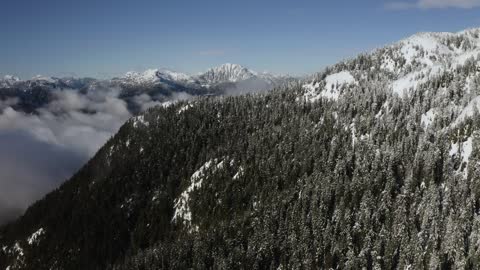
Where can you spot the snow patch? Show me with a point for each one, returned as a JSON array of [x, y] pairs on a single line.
[[34, 238], [420, 46], [422, 185], [333, 84], [364, 137], [239, 173], [464, 149], [354, 137], [17, 248], [167, 104], [182, 204], [428, 118], [140, 120], [405, 84], [311, 94], [111, 150], [388, 64], [184, 108]]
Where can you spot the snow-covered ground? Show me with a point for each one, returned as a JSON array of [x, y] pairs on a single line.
[[333, 85], [428, 118]]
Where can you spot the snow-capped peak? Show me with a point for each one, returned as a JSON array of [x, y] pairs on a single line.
[[155, 75], [11, 78], [227, 73], [8, 81], [149, 75]]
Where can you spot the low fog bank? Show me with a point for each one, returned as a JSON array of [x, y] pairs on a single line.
[[40, 150], [29, 168]]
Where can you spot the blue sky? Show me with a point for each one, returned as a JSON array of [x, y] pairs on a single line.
[[104, 38]]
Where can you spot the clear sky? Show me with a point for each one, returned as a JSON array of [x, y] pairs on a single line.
[[103, 38]]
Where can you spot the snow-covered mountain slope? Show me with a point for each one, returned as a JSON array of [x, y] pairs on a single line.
[[408, 63], [430, 54]]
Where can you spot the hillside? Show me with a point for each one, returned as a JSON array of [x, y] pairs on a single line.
[[373, 164]]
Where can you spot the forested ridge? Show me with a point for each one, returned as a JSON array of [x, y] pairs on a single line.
[[369, 179]]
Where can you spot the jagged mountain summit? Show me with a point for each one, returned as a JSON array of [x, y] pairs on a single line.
[[226, 73], [371, 164], [234, 73]]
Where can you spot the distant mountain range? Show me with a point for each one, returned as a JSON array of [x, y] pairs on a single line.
[[159, 84], [222, 74]]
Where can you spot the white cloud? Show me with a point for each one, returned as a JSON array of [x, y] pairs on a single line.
[[82, 123], [434, 4], [41, 149]]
